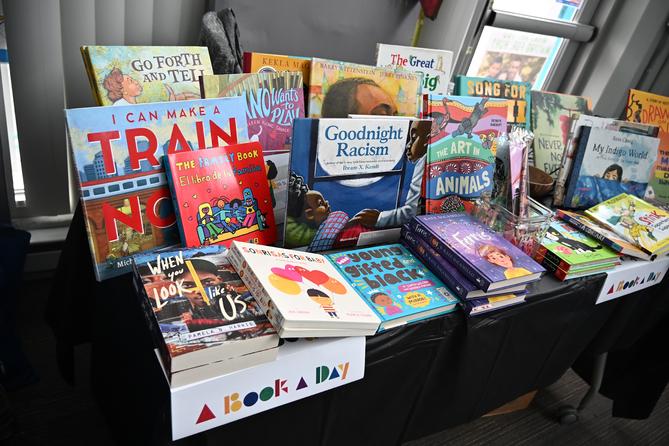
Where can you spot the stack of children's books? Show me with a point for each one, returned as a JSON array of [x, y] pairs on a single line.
[[483, 269]]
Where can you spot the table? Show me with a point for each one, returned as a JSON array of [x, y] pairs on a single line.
[[419, 379]]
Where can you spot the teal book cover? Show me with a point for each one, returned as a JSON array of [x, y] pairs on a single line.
[[394, 283]]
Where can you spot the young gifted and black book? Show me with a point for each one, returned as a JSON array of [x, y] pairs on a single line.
[[394, 283], [204, 320]]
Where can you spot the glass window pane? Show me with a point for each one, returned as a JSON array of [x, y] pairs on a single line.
[[514, 55], [545, 9]]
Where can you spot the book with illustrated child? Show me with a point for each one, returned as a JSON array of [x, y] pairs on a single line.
[[517, 93], [394, 283], [461, 153], [273, 101], [635, 220], [481, 254], [117, 153], [270, 63], [338, 89], [204, 320], [301, 293], [609, 163], [221, 194], [123, 75], [353, 181]]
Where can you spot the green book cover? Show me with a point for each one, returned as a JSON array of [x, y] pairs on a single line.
[[568, 245], [517, 93]]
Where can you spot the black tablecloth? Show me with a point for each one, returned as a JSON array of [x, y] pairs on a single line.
[[419, 379]]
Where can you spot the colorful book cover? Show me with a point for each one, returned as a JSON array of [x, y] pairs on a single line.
[[463, 143], [272, 63], [353, 181], [552, 114], [117, 154], [609, 163], [648, 108], [517, 93], [637, 221], [394, 283], [202, 308], [568, 247], [302, 293], [274, 100], [338, 89], [221, 194], [602, 234], [573, 143], [485, 257], [435, 65], [123, 75]]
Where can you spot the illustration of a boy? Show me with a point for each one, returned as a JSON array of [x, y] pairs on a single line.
[[385, 301], [499, 257], [324, 301]]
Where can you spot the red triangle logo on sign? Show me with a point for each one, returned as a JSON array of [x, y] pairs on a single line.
[[205, 415], [611, 290]]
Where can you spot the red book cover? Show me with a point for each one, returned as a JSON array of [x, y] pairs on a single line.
[[222, 194]]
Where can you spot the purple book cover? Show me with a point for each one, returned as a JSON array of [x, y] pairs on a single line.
[[481, 254]]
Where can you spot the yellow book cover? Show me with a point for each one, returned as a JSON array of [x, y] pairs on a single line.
[[263, 63], [649, 108]]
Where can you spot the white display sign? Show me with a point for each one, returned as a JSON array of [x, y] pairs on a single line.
[[631, 276]]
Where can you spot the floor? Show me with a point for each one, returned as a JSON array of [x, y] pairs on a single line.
[[50, 412]]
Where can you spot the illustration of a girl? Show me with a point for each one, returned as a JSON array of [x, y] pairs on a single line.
[[499, 257], [383, 300], [207, 229], [121, 88], [614, 173]]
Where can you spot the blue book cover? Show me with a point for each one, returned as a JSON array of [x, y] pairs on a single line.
[[117, 152], [517, 93], [353, 181], [394, 283], [481, 254], [609, 163]]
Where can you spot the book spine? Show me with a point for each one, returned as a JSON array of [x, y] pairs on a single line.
[[545, 253], [553, 269], [248, 58], [413, 243], [576, 167], [91, 75], [254, 285], [175, 201], [565, 166], [450, 255], [591, 232]]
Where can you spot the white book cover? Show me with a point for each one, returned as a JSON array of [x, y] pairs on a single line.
[[435, 65], [302, 368], [303, 289], [632, 275]]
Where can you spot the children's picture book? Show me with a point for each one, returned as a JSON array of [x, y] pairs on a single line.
[[338, 89], [394, 283], [569, 248], [637, 221], [602, 234], [582, 121], [435, 65], [274, 100], [203, 311], [221, 194], [457, 282], [485, 257], [463, 143], [123, 75], [301, 293], [353, 181], [517, 93], [552, 114], [117, 152], [272, 63], [609, 163], [649, 108]]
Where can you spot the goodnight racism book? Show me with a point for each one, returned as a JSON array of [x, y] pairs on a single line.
[[205, 320], [395, 284], [485, 257], [463, 143], [273, 101], [301, 293], [221, 194], [609, 163], [353, 181], [517, 93], [122, 75], [117, 153], [338, 89]]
